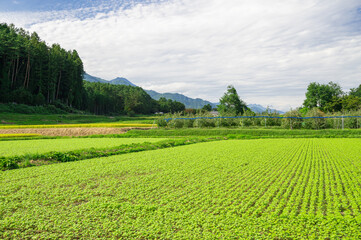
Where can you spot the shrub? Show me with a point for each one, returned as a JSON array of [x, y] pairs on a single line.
[[189, 123], [315, 123], [229, 122], [270, 121], [161, 122], [292, 123], [63, 157], [246, 122], [8, 163], [176, 123], [200, 123]]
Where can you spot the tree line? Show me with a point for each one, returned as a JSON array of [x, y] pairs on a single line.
[[321, 100], [33, 73], [327, 98], [331, 98], [104, 98]]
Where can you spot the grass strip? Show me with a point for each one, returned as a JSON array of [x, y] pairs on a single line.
[[245, 132], [29, 160], [19, 135]]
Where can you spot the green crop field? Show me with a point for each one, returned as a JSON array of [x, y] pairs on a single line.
[[42, 119], [20, 147], [248, 189]]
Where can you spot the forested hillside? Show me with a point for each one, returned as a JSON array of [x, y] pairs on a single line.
[[33, 73], [104, 98]]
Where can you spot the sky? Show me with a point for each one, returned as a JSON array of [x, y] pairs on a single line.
[[268, 50]]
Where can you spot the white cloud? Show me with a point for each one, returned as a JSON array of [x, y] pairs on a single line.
[[269, 50]]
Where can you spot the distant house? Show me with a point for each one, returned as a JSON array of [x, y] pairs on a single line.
[[159, 113], [214, 113]]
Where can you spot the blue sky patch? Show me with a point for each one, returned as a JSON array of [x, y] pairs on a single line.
[[58, 5]]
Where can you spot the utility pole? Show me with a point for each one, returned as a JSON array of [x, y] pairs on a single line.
[[343, 123], [291, 124]]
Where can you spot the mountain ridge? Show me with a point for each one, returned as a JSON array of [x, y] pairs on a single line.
[[115, 81], [187, 101]]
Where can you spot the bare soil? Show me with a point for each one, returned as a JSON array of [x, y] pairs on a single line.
[[68, 131]]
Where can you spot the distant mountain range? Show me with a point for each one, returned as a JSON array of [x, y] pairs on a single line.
[[115, 81], [195, 103], [187, 101], [260, 109]]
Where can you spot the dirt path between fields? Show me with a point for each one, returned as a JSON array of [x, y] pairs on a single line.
[[68, 131]]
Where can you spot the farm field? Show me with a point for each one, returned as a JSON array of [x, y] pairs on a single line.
[[51, 119], [84, 125], [247, 132], [21, 147], [70, 132], [264, 188]]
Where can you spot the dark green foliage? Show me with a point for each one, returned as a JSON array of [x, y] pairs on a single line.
[[7, 163], [63, 157], [230, 103], [35, 74], [330, 98], [351, 103], [170, 106], [318, 95], [345, 103], [356, 91], [26, 109], [104, 98], [207, 107]]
